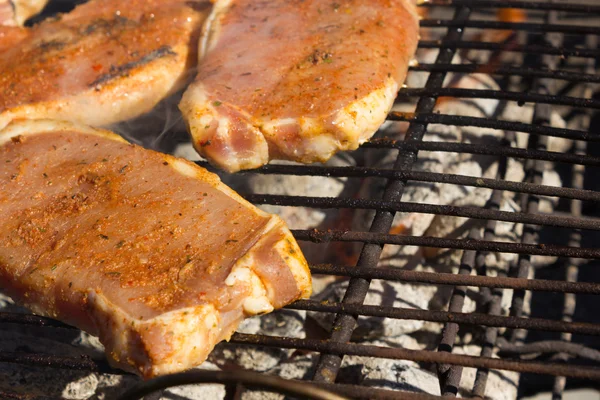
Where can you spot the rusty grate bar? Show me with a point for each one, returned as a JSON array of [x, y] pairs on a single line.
[[381, 311], [518, 187], [541, 116], [425, 356], [528, 5], [321, 236], [516, 48], [439, 278], [457, 120], [572, 268], [330, 347], [490, 150], [450, 376], [531, 27], [510, 71], [420, 208], [520, 97], [449, 317]]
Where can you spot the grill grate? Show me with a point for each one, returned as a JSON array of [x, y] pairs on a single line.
[[560, 52]]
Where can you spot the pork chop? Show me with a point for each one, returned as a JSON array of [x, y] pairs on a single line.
[[104, 62], [150, 252], [296, 79], [16, 12]]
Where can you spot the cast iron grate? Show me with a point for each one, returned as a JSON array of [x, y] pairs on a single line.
[[553, 50]]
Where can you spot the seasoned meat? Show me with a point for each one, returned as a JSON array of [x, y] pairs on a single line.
[[16, 12], [106, 61], [150, 252], [296, 79]]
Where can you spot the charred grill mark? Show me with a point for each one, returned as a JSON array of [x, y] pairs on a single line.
[[99, 25], [107, 25], [198, 6], [119, 71], [52, 45]]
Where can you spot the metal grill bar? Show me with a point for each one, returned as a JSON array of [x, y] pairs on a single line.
[[541, 116], [514, 48], [494, 307], [520, 97], [531, 27], [510, 71], [572, 269], [363, 172], [318, 236], [438, 278], [548, 347], [449, 377], [467, 212], [386, 312], [40, 360], [456, 120], [518, 187], [490, 150], [571, 272], [424, 356], [450, 317], [331, 347], [529, 5], [362, 392]]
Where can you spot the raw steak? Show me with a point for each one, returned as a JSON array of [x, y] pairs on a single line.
[[296, 79]]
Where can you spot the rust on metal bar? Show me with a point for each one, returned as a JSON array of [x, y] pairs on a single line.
[[440, 278]]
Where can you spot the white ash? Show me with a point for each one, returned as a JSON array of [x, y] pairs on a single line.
[[390, 374], [524, 113], [301, 367], [193, 392], [381, 293], [288, 323], [501, 385], [41, 383]]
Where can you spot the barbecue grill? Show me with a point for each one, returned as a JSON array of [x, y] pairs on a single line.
[[549, 332]]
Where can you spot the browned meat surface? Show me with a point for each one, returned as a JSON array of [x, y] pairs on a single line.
[[16, 12], [150, 252], [106, 61], [296, 79]]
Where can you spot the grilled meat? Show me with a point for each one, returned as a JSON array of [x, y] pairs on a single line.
[[296, 80], [16, 12], [106, 61], [150, 252]]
